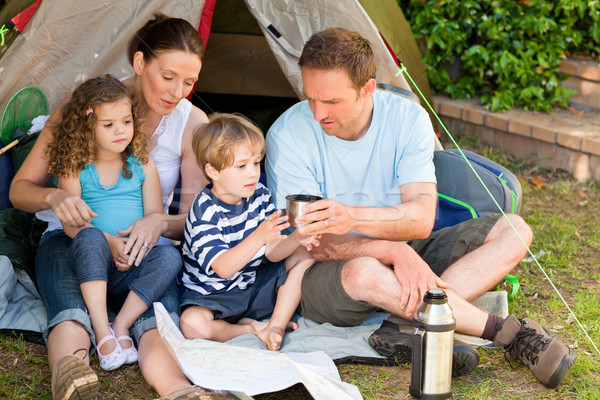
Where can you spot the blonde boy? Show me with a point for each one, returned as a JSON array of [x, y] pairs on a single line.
[[232, 226]]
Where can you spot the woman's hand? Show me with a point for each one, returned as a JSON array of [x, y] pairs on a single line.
[[70, 208], [117, 246], [143, 235]]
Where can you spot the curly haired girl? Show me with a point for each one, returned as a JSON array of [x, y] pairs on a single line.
[[101, 154]]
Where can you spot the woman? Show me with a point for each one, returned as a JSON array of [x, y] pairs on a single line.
[[166, 58]]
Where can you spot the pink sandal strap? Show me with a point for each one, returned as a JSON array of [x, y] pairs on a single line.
[[125, 337], [104, 340]]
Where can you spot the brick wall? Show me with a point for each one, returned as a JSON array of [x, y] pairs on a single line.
[[567, 139]]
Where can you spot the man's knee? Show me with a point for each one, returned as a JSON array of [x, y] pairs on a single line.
[[504, 228], [360, 275]]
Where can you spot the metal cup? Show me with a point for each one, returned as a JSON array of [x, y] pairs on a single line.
[[294, 204]]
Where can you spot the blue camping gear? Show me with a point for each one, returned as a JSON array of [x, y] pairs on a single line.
[[461, 195]]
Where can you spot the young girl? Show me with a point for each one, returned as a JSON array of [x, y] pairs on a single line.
[[101, 154], [231, 226]]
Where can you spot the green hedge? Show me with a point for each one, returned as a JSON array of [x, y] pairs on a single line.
[[506, 51]]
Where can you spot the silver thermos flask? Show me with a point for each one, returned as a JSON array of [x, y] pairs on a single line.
[[431, 370]]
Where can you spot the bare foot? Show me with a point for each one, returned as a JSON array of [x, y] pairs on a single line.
[[272, 336], [257, 326], [291, 326]]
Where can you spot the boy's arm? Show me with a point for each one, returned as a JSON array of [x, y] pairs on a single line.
[[233, 260], [277, 250]]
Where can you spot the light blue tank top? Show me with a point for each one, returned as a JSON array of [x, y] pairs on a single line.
[[117, 206]]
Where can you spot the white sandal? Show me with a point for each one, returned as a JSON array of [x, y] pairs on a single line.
[[114, 359], [130, 352]]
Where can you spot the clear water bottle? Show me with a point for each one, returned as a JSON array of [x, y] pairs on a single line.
[[431, 370]]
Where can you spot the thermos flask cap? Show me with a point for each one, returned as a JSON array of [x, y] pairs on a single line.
[[435, 296]]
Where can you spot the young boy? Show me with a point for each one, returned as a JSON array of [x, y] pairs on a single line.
[[231, 227]]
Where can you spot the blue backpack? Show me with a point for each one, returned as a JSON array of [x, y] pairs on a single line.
[[461, 196]]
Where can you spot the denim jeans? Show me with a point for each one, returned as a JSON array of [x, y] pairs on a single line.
[[59, 287]]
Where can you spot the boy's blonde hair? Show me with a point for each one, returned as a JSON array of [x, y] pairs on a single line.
[[215, 143]]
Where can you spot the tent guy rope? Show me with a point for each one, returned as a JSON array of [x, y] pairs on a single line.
[[405, 71]]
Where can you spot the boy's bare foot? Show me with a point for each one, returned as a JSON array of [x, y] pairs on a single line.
[[256, 326], [273, 336]]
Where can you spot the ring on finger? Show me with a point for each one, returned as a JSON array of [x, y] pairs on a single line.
[[325, 223], [146, 245]]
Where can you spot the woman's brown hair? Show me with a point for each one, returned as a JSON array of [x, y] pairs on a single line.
[[73, 144], [165, 33]]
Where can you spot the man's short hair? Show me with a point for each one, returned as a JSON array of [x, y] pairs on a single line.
[[340, 49], [215, 142]]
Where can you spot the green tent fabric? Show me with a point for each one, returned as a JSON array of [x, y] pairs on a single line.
[[390, 20]]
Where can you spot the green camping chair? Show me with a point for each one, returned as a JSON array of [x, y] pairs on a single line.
[[22, 108], [20, 232]]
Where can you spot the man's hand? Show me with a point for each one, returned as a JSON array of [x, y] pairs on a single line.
[[326, 216], [269, 229], [415, 278], [71, 209]]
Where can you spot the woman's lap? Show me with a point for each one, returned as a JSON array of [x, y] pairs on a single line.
[[59, 287], [58, 284]]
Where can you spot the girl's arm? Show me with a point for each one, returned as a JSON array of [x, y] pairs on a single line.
[[116, 244], [192, 183], [28, 191], [233, 260], [72, 185]]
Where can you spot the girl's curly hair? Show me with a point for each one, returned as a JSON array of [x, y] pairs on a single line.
[[73, 144]]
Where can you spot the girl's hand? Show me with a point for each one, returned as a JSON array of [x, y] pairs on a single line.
[[117, 246], [143, 235], [269, 229], [70, 209]]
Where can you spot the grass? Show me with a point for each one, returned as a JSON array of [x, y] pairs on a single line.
[[564, 217]]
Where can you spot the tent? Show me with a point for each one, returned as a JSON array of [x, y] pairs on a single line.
[[252, 46]]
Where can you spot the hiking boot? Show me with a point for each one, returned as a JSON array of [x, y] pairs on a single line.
[[395, 341], [74, 379], [197, 393], [544, 354]]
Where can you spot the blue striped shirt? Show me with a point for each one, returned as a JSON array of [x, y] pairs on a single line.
[[212, 227]]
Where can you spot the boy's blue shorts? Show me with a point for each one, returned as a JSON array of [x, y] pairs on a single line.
[[257, 301]]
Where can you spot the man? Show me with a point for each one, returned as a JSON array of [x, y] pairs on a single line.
[[369, 154]]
